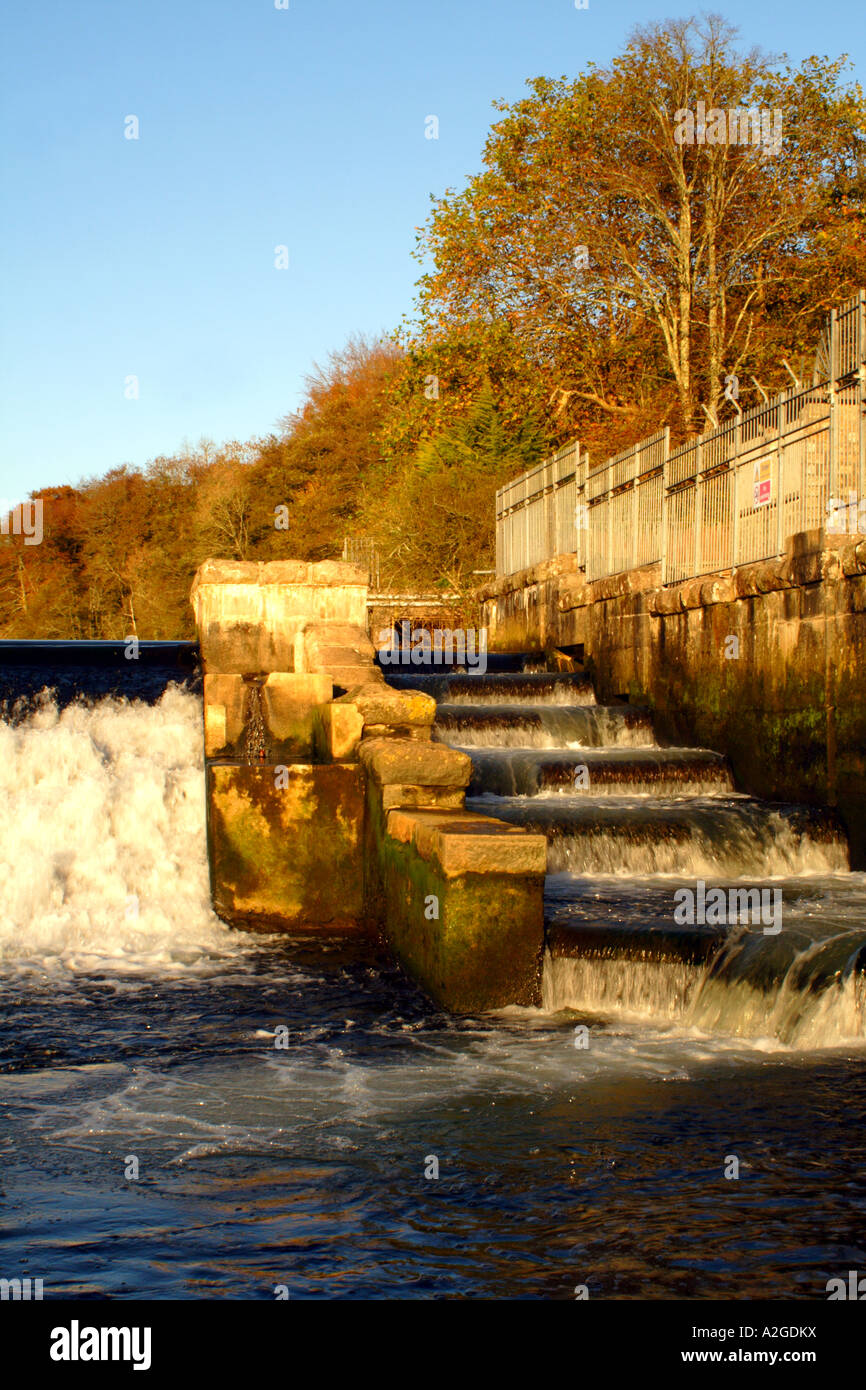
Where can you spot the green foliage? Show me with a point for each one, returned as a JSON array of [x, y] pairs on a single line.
[[437, 525]]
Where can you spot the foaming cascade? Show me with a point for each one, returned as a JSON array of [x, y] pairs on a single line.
[[542, 688], [796, 991], [542, 726], [626, 822], [597, 772], [103, 829], [728, 837]]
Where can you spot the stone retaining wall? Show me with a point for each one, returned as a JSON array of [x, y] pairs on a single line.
[[764, 664]]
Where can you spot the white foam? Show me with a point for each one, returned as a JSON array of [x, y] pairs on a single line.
[[103, 845]]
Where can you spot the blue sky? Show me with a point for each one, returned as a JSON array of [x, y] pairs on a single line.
[[154, 258]]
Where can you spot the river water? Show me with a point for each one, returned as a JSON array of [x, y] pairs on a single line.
[[283, 1100]]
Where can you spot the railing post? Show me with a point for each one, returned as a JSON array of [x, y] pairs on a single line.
[[609, 528], [833, 422], [861, 378], [631, 558], [699, 513], [584, 516], [780, 473], [664, 504], [735, 510]]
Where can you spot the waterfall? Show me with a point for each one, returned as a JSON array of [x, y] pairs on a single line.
[[255, 732], [630, 825], [103, 829]]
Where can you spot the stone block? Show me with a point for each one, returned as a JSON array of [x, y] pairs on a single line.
[[853, 558], [285, 844], [248, 615], [665, 602], [290, 704], [418, 735], [224, 714], [379, 704], [405, 762], [336, 644], [339, 734], [398, 796], [714, 591], [472, 940], [464, 843]]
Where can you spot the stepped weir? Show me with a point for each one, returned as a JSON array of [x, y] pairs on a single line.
[[635, 833], [516, 841]]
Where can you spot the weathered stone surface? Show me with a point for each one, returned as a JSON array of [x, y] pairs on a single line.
[[812, 569], [473, 941], [786, 703], [667, 600], [332, 573], [283, 692], [341, 729], [290, 855], [464, 843], [379, 704], [418, 734], [717, 591], [341, 644], [401, 797], [290, 706], [771, 576], [224, 706], [746, 581], [343, 650], [853, 558], [545, 570], [857, 595], [573, 593], [690, 593], [248, 615], [403, 762]]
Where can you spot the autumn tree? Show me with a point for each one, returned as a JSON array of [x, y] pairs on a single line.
[[318, 466], [640, 268], [434, 525]]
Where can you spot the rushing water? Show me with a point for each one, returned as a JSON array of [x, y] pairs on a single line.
[[661, 822], [135, 1025]]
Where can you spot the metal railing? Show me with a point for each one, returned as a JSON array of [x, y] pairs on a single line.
[[626, 497], [361, 551], [542, 513], [730, 496]]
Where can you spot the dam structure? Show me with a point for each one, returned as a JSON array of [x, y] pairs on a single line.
[[650, 793], [329, 807], [514, 840], [283, 1091], [637, 833]]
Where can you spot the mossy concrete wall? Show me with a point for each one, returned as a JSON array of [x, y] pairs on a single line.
[[340, 812], [285, 844], [764, 664], [458, 896]]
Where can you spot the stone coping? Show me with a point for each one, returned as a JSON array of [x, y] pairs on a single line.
[[410, 762], [463, 842], [330, 573], [809, 558]]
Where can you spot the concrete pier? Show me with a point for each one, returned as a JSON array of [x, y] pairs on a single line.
[[328, 805]]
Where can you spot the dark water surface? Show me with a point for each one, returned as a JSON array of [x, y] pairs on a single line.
[[136, 1026], [305, 1166]]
